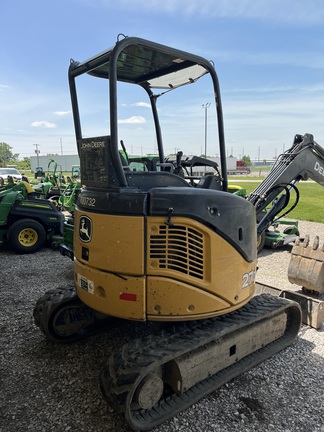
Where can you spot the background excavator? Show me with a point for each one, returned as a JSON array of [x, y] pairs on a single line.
[[150, 247]]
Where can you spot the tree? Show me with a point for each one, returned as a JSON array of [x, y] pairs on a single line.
[[24, 165], [6, 154], [247, 160]]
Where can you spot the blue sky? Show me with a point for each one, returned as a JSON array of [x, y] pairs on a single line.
[[268, 55]]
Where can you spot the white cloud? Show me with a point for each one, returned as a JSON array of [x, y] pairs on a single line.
[[142, 104], [133, 120], [62, 113], [3, 87], [43, 124]]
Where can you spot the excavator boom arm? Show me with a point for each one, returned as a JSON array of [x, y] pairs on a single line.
[[304, 160]]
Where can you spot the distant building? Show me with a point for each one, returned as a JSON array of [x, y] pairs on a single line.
[[64, 162], [262, 163]]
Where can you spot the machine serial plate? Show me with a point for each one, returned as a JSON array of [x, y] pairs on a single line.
[[86, 284]]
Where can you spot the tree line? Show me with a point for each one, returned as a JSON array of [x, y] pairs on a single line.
[[7, 157]]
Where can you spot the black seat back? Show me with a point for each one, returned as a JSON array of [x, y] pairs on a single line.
[[147, 180]]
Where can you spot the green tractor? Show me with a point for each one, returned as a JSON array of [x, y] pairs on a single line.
[[69, 193], [76, 173], [66, 203], [39, 174], [50, 185], [67, 199], [27, 222]]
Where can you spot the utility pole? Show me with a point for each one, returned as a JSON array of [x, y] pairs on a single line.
[[61, 146], [206, 106], [37, 151]]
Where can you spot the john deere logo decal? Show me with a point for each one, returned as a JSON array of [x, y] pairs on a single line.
[[85, 229]]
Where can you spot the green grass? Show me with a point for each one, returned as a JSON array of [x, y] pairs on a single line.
[[311, 201]]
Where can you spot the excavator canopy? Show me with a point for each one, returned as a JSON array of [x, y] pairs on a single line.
[[151, 66], [147, 65]]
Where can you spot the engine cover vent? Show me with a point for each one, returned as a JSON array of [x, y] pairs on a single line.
[[179, 248]]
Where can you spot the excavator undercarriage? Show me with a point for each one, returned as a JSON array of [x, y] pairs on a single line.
[[151, 379]]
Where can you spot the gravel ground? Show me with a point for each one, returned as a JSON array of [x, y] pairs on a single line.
[[50, 387]]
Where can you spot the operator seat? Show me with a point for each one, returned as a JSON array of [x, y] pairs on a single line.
[[209, 181], [147, 180]]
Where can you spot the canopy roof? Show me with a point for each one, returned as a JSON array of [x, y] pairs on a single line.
[[148, 65]]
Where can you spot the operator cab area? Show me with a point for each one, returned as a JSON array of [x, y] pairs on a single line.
[[158, 71]]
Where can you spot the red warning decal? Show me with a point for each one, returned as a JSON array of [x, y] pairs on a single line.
[[128, 296]]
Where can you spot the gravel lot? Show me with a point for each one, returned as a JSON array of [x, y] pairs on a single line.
[[49, 387]]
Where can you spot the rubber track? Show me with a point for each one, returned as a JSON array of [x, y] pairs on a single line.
[[126, 367]]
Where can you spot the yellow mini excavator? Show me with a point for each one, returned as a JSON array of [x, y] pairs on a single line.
[[150, 247]]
